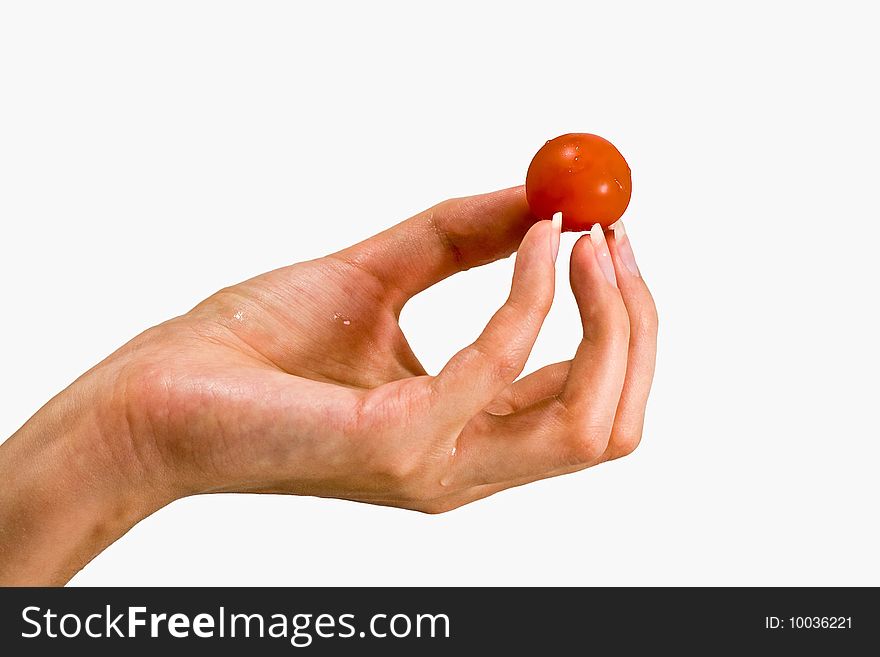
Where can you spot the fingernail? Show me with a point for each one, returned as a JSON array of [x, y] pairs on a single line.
[[555, 231], [624, 249], [600, 248]]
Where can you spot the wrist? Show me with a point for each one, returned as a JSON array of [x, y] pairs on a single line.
[[73, 482]]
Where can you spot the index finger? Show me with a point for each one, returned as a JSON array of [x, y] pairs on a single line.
[[452, 236]]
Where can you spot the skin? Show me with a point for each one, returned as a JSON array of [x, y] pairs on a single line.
[[300, 381]]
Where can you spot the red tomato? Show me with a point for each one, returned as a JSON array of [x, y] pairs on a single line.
[[583, 176]]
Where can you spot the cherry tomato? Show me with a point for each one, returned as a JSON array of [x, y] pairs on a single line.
[[583, 176]]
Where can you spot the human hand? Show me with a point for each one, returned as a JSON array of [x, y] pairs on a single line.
[[301, 381]]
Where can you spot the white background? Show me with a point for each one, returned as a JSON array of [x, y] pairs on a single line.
[[151, 153]]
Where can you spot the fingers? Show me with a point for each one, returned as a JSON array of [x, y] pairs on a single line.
[[640, 308], [450, 237], [570, 415], [595, 380], [629, 419], [572, 428], [540, 384], [481, 371]]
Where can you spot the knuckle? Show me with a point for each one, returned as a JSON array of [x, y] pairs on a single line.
[[436, 507], [528, 310], [442, 220], [544, 302], [445, 206], [501, 365], [588, 445], [646, 320], [627, 446], [623, 443], [223, 301], [505, 366], [618, 320], [609, 325]]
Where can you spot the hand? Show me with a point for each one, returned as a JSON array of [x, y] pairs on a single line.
[[301, 381]]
